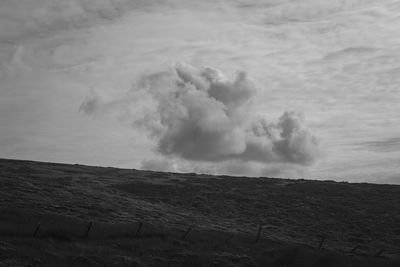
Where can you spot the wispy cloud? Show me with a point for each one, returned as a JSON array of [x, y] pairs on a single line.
[[385, 145]]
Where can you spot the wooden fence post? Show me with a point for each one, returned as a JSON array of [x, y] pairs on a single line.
[[138, 230], [379, 253], [186, 233], [259, 233], [36, 230], [354, 249], [88, 230], [322, 242], [229, 238]]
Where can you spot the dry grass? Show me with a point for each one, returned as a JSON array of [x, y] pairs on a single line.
[[224, 214]]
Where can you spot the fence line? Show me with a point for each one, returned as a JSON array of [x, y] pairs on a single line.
[[190, 228]]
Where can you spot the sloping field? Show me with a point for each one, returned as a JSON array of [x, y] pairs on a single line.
[[75, 215]]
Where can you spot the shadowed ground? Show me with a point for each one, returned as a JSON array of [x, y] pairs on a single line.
[[189, 219]]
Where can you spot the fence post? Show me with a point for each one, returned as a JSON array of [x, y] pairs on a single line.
[[379, 253], [354, 249], [88, 230], [259, 233], [36, 229], [322, 242], [229, 238], [138, 230], [186, 233]]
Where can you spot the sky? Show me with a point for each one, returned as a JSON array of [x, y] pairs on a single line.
[[296, 89]]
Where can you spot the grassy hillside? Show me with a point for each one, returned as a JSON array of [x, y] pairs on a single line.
[[189, 219]]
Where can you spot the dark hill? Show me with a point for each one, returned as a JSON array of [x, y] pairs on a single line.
[[144, 218]]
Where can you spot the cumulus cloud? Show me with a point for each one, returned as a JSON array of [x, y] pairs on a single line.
[[201, 116], [288, 140]]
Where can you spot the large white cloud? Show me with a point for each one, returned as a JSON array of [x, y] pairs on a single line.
[[199, 114]]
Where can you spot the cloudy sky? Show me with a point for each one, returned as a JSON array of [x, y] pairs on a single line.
[[247, 87]]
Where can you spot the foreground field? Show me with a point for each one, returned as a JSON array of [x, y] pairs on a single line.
[[74, 215]]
